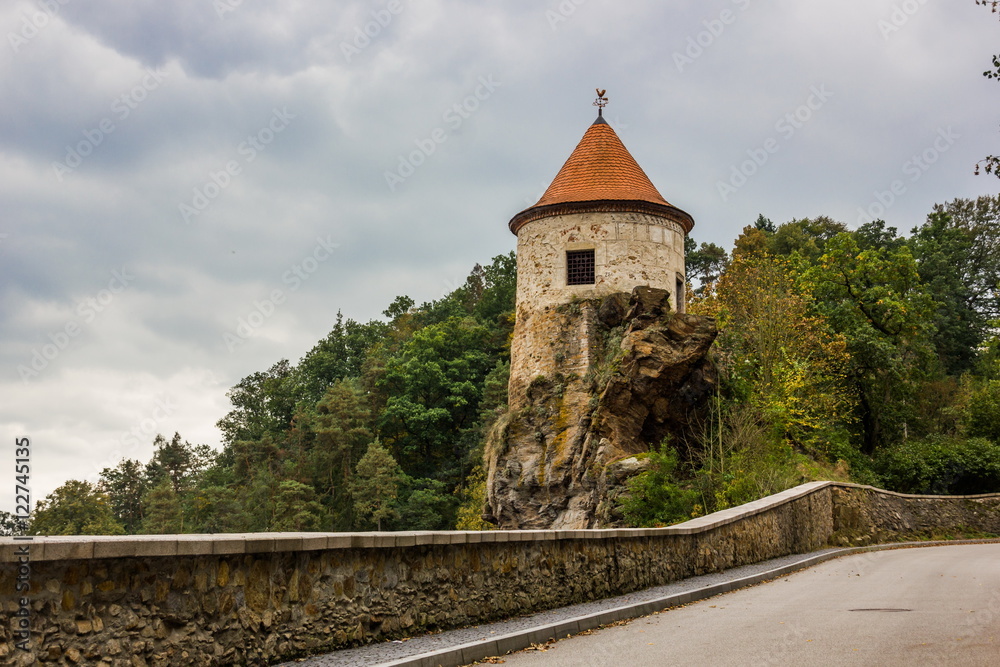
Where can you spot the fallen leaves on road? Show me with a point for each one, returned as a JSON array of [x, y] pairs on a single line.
[[538, 647]]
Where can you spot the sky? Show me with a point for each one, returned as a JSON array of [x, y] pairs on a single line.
[[191, 190]]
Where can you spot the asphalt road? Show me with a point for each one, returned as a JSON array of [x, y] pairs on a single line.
[[913, 607]]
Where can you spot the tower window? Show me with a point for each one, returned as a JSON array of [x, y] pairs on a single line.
[[579, 267]]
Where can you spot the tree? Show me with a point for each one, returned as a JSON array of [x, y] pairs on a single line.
[[432, 390], [164, 513], [400, 307], [375, 487], [340, 355], [472, 502], [655, 498], [425, 504], [75, 508], [210, 509], [177, 461], [263, 404], [341, 424], [125, 486], [776, 355], [991, 163], [765, 224], [11, 525], [704, 263], [957, 251], [979, 269], [297, 509], [496, 303], [873, 296], [806, 238]]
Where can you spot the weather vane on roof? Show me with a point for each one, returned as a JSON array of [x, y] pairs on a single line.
[[601, 101]]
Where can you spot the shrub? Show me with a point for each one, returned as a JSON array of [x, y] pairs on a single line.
[[654, 497], [941, 466]]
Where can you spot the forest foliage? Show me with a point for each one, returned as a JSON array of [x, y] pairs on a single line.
[[843, 354], [858, 355]]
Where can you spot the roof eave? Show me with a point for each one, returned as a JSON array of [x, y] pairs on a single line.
[[602, 206]]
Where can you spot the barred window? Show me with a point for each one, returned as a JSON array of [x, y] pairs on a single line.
[[579, 267]]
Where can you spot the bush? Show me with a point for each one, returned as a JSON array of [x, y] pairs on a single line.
[[984, 412], [654, 497], [941, 466]]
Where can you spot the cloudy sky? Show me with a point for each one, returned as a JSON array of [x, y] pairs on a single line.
[[169, 170]]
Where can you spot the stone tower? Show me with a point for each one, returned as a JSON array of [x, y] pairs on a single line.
[[604, 363], [600, 228]]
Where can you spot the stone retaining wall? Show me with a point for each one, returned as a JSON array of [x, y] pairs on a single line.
[[258, 599], [864, 515]]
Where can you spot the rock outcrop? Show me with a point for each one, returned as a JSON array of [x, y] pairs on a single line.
[[618, 375]]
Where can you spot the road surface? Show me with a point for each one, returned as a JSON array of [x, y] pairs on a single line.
[[912, 607]]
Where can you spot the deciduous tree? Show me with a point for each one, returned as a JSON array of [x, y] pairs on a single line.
[[75, 508]]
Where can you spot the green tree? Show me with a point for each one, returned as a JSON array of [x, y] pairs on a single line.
[[75, 508], [263, 404], [399, 308], [341, 424], [495, 304], [941, 250], [164, 510], [177, 461], [297, 509], [978, 220], [805, 238], [125, 485], [983, 411], [776, 354], [375, 487], [339, 356], [873, 296], [704, 263], [425, 504], [433, 387], [765, 224], [209, 509]]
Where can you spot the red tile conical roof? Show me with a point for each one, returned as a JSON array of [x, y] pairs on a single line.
[[600, 175]]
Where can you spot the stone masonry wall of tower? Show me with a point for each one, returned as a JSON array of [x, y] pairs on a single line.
[[630, 249]]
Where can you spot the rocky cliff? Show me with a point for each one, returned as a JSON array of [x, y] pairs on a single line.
[[615, 377]]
